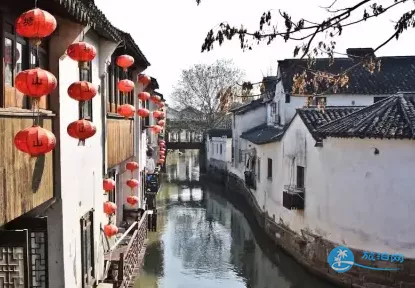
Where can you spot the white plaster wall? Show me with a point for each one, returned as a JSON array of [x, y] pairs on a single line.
[[287, 110], [265, 185], [362, 199], [353, 197], [228, 150], [81, 173], [244, 122], [218, 142]]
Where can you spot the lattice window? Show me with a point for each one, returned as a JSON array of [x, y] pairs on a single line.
[[13, 259], [38, 259]]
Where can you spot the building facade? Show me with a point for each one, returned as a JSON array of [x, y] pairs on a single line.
[[52, 217]]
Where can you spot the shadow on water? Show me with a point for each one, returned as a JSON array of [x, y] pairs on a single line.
[[203, 241]]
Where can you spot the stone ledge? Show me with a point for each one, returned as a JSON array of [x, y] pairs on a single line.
[[311, 254]]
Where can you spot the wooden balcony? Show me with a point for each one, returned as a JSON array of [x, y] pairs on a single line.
[[25, 183], [120, 140]]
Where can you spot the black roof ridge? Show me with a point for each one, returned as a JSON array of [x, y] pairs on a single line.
[[373, 117], [332, 107], [88, 12], [345, 58], [404, 107], [366, 108]]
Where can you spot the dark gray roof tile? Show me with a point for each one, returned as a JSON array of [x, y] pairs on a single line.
[[392, 117], [263, 134], [396, 74]]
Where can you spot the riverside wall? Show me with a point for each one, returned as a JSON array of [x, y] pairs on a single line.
[[309, 250]]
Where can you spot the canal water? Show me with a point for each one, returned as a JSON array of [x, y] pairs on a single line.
[[203, 241]]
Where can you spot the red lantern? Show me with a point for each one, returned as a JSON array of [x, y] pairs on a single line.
[[132, 200], [110, 230], [156, 129], [126, 110], [161, 161], [35, 141], [132, 183], [81, 129], [155, 99], [125, 61], [110, 208], [143, 96], [143, 113], [161, 123], [144, 79], [82, 52], [35, 82], [132, 166], [35, 24], [108, 184], [162, 114], [162, 145], [156, 114], [82, 91], [125, 86], [161, 152]]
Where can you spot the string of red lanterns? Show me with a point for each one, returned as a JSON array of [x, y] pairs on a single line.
[[82, 91], [35, 24], [110, 208], [125, 85]]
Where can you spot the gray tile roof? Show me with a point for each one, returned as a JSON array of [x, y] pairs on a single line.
[[263, 134], [393, 117], [314, 117], [396, 74], [254, 104]]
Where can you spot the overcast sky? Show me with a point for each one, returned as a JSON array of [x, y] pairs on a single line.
[[170, 32]]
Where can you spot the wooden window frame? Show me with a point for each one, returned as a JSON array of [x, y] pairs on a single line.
[[111, 194], [300, 177], [87, 222], [7, 28], [110, 91], [269, 172], [88, 104]]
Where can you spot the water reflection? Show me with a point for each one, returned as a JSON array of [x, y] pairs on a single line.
[[203, 241]]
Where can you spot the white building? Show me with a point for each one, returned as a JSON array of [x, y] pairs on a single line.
[[55, 213], [287, 154], [219, 148], [356, 182]]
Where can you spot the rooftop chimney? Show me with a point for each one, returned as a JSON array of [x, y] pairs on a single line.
[[360, 52]]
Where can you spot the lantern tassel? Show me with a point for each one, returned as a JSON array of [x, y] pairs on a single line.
[[81, 142]]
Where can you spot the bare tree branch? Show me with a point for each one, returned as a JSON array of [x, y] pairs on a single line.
[[207, 89]]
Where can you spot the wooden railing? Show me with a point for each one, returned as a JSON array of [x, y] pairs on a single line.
[[120, 140], [130, 259], [125, 260], [25, 182]]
